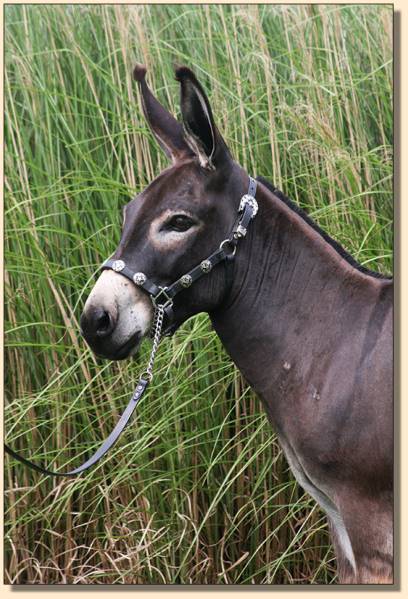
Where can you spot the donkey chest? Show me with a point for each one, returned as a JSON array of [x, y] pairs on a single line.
[[311, 448], [311, 423]]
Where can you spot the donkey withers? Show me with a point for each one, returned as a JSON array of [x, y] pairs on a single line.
[[310, 329]]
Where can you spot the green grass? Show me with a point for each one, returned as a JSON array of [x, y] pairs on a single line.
[[197, 490]]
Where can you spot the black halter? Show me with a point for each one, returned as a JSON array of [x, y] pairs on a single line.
[[162, 298]]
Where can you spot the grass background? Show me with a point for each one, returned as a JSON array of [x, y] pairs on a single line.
[[197, 490]]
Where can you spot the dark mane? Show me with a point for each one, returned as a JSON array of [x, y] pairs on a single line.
[[343, 253]]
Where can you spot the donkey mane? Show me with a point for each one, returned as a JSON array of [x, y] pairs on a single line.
[[335, 244]]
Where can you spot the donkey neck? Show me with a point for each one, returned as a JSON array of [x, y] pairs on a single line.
[[293, 294]]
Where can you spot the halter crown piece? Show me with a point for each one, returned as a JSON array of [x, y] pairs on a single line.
[[162, 299]]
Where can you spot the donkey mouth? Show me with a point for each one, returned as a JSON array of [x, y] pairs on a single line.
[[129, 348]]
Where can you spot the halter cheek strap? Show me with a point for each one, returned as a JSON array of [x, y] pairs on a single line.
[[162, 298]]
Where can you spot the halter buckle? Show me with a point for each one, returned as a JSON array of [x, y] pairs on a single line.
[[248, 200], [168, 301]]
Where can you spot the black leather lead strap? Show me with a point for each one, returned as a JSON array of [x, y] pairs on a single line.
[[106, 445]]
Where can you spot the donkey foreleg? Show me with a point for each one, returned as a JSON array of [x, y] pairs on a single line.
[[371, 535]]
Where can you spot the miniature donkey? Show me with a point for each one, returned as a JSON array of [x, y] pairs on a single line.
[[308, 327]]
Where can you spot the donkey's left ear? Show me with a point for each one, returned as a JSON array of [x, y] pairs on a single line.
[[201, 132]]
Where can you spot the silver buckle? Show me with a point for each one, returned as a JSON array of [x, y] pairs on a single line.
[[251, 201], [240, 232]]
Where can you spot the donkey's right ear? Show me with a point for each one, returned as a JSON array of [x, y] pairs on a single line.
[[202, 134], [166, 129]]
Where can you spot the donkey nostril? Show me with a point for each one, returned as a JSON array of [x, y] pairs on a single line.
[[97, 322], [104, 323]]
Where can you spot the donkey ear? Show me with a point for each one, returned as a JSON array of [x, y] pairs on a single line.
[[166, 129], [201, 132]]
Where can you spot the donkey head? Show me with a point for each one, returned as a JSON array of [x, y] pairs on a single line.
[[173, 224]]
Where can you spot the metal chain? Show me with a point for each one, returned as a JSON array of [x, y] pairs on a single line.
[[158, 323]]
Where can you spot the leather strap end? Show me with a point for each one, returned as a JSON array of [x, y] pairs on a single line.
[[140, 389]]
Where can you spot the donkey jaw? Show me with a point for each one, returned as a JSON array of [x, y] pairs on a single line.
[[128, 349]]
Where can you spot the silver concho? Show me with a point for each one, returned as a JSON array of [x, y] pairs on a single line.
[[118, 265], [247, 199], [186, 280], [139, 278], [206, 266]]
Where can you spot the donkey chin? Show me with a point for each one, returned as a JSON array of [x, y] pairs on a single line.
[[116, 317]]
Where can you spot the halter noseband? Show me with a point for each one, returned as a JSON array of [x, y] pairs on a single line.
[[164, 296]]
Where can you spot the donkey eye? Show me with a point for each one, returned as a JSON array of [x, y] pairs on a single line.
[[179, 222]]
